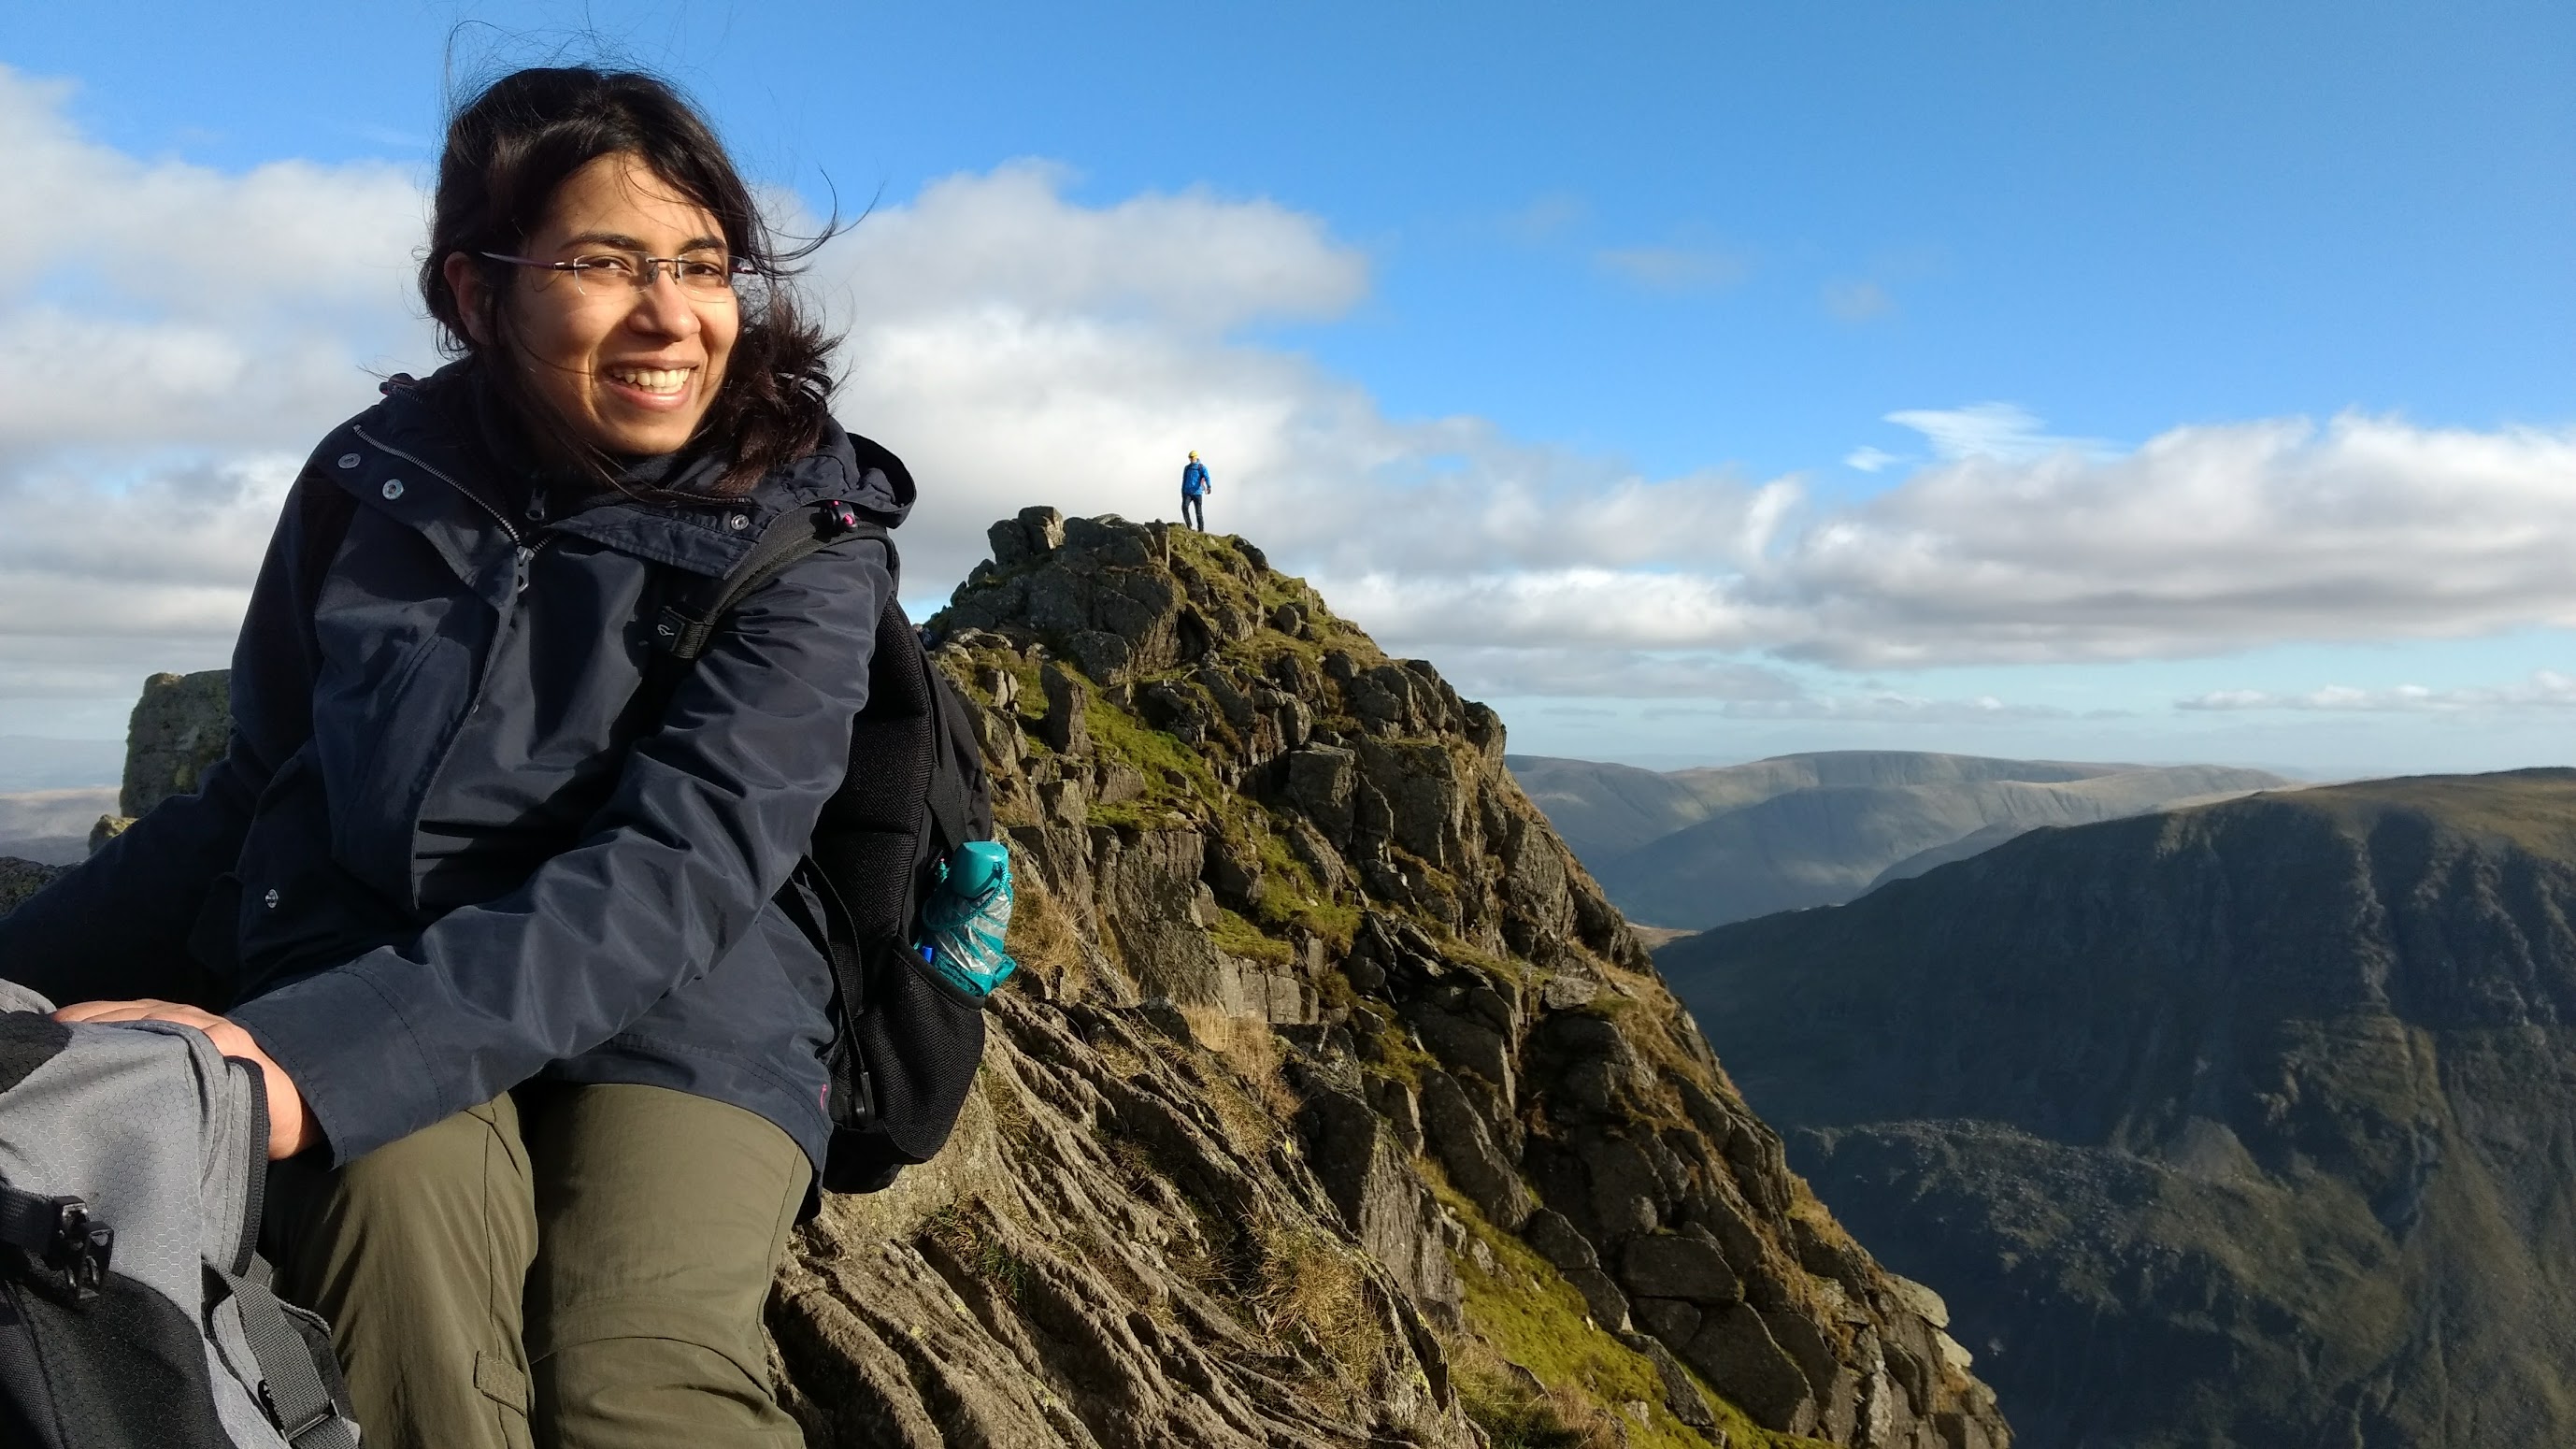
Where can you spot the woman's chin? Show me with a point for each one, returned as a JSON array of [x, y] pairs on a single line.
[[634, 437]]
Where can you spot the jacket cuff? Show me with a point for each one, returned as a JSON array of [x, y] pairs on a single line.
[[347, 1050]]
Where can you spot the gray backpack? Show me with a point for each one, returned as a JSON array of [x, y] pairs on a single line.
[[134, 1308]]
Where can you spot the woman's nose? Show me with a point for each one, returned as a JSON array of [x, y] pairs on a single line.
[[663, 309]]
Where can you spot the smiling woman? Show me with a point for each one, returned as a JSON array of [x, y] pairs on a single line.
[[498, 922]]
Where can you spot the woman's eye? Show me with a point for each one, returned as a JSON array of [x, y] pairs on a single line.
[[605, 266], [703, 271]]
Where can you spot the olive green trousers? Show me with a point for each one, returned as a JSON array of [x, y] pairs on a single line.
[[573, 1267]]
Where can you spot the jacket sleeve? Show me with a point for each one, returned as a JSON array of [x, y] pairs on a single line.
[[710, 814], [118, 925]]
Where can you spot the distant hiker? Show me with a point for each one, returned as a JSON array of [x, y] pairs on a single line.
[[1195, 488], [511, 936]]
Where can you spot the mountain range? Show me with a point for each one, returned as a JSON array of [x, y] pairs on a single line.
[[2241, 1125], [1696, 848]]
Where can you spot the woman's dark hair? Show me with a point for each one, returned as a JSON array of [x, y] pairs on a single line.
[[511, 146]]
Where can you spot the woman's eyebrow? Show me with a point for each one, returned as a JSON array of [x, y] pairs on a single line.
[[623, 242]]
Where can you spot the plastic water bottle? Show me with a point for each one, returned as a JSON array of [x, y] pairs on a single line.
[[967, 917]]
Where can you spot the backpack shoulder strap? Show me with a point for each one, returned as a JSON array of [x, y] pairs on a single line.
[[683, 627], [301, 1382], [961, 804]]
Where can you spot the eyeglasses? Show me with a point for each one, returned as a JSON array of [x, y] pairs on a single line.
[[597, 274]]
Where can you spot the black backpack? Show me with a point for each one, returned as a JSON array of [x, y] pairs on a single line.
[[906, 1044]]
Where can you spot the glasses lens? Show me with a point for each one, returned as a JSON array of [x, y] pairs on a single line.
[[708, 277], [602, 274]]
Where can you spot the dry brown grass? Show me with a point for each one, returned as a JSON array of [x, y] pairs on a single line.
[[1011, 1116], [1254, 1099], [1042, 938], [1311, 1286]]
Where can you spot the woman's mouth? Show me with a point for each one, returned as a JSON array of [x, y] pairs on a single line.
[[655, 384]]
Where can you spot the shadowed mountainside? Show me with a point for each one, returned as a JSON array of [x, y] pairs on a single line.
[[1699, 848], [2245, 1125], [1334, 1106]]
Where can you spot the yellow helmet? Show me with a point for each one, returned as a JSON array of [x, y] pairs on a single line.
[[1194, 457]]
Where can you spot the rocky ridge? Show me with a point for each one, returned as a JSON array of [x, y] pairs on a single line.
[[1334, 1104]]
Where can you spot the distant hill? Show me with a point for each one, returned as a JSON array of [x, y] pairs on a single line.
[[1697, 848], [2245, 1125], [52, 826]]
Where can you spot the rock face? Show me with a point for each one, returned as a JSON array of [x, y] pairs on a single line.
[[1254, 849], [2245, 1125], [180, 726], [20, 879], [1334, 1105]]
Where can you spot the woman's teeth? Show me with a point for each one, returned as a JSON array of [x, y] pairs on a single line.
[[652, 379]]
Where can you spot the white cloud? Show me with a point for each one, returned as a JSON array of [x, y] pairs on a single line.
[[172, 339], [1870, 460], [2545, 690], [1868, 707], [1676, 268], [2207, 539], [1192, 264], [2002, 430], [1018, 346]]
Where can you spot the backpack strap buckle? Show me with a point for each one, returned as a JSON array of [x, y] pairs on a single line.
[[680, 633], [59, 1234]]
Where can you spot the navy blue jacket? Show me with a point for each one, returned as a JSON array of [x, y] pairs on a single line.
[[452, 846]]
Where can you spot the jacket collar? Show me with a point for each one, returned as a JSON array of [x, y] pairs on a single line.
[[421, 456]]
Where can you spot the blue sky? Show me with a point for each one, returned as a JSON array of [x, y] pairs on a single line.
[[1546, 254]]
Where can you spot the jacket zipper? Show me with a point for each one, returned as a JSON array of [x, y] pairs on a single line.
[[498, 516], [526, 553], [527, 550]]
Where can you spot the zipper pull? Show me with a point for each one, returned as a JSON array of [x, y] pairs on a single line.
[[527, 556]]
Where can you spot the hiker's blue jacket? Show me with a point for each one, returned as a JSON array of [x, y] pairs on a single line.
[[453, 846], [1194, 479]]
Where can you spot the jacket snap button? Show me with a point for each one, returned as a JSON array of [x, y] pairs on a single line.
[[738, 521], [348, 460], [271, 898], [392, 489]]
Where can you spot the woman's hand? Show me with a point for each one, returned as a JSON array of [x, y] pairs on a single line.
[[290, 1127]]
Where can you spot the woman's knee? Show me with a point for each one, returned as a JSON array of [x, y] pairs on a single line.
[[669, 1387]]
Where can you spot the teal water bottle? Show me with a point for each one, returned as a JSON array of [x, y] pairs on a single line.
[[967, 918]]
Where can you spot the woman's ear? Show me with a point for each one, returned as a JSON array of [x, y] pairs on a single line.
[[473, 299]]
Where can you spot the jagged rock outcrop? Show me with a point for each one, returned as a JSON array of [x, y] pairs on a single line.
[[20, 879], [1237, 818], [1334, 1105], [180, 726], [2239, 1126]]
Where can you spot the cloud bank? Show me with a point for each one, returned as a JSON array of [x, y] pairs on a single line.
[[184, 334], [2545, 691]]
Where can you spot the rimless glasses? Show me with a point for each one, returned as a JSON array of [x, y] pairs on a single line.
[[618, 273]]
